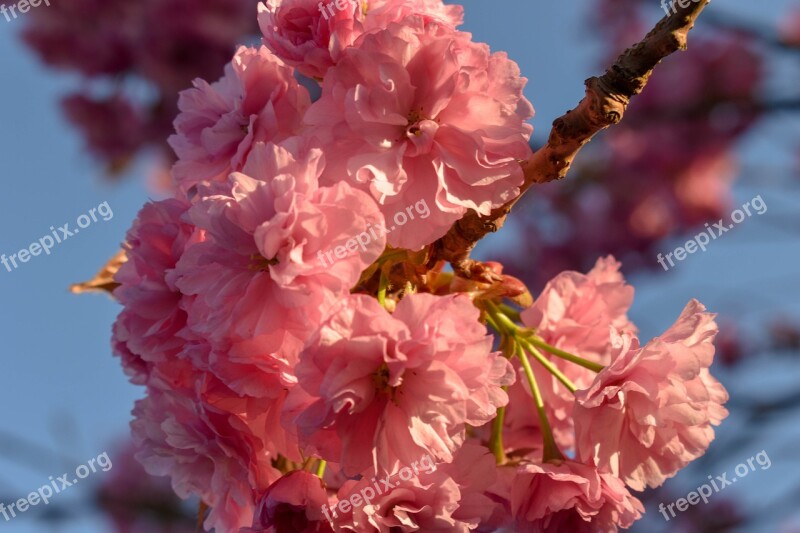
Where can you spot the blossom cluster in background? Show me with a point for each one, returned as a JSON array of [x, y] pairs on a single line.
[[133, 59]]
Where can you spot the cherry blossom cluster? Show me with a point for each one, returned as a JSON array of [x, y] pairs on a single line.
[[278, 386], [133, 58]]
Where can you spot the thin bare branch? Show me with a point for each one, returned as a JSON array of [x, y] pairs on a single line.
[[607, 98]]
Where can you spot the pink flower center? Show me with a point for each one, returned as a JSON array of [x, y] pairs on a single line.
[[414, 118], [381, 379], [261, 264], [421, 131]]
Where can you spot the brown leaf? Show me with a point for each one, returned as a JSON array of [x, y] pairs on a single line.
[[103, 281]]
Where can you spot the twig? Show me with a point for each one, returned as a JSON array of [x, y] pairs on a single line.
[[604, 105]]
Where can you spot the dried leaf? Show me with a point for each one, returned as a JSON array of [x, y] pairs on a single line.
[[103, 281]]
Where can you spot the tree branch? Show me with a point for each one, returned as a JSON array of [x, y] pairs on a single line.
[[604, 105]]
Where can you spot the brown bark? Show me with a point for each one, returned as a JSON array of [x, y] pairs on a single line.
[[607, 98]]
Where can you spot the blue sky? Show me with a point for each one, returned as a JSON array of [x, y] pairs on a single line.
[[61, 388]]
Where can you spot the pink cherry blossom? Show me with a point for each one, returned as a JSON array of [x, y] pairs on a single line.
[[444, 497], [307, 37], [573, 497], [260, 273], [419, 111], [208, 451], [574, 313], [651, 411], [381, 13], [148, 331], [278, 334], [258, 100], [293, 503], [379, 389], [312, 35]]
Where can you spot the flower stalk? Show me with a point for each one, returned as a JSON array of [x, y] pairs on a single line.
[[320, 472], [551, 452], [536, 341], [496, 440]]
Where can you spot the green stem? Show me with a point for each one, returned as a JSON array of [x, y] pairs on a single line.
[[503, 325], [390, 254], [549, 365], [551, 451], [382, 287], [536, 341], [510, 312], [506, 322], [321, 468], [491, 321], [496, 440], [500, 321]]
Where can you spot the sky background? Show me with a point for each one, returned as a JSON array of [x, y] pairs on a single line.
[[65, 395]]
